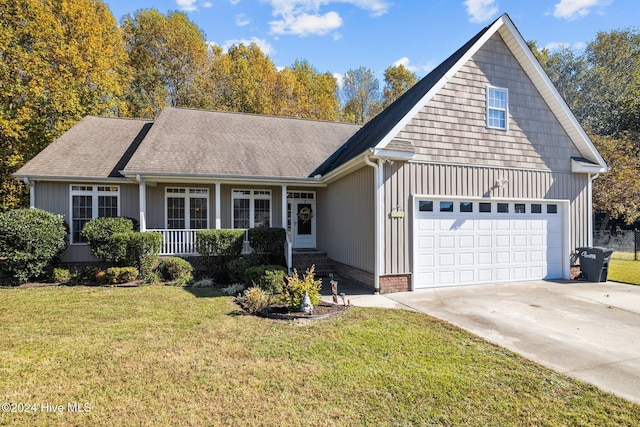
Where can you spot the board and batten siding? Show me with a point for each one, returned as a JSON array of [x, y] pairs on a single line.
[[451, 128], [346, 220], [404, 180]]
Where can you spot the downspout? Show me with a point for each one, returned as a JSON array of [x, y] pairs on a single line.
[[32, 191], [378, 219], [590, 208]]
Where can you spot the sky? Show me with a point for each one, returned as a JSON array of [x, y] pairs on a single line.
[[340, 35]]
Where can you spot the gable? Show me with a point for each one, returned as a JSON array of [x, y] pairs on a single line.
[[451, 128]]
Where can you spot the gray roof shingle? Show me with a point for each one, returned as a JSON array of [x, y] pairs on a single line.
[[95, 148], [199, 142]]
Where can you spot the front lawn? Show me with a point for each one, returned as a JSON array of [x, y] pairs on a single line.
[[155, 355], [622, 268]]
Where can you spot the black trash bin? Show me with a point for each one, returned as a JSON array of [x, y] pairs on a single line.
[[594, 263]]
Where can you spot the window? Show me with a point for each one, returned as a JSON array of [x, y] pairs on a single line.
[[187, 208], [446, 206], [466, 207], [497, 101], [425, 206], [485, 207], [251, 208], [503, 207], [89, 202], [519, 208], [536, 208], [552, 209]]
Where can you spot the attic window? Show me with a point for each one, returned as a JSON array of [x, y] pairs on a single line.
[[497, 103]]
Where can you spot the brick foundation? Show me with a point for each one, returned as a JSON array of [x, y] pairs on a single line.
[[395, 283], [353, 273]]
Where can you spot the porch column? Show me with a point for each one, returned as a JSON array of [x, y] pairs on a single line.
[[284, 207], [218, 208], [142, 192]]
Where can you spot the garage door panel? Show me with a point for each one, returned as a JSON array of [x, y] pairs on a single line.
[[455, 248]]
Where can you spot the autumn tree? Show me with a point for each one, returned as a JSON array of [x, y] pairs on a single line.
[[61, 60], [398, 79], [361, 95], [168, 55], [316, 92]]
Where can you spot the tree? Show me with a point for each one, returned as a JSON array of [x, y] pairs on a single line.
[[397, 81], [61, 61], [168, 55], [317, 93], [361, 95], [617, 192]]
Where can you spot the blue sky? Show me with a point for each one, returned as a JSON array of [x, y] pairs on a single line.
[[339, 35]]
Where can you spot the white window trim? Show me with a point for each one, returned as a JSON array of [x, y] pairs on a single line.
[[187, 205], [506, 109], [94, 193], [252, 196]]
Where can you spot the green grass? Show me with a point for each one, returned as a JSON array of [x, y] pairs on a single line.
[[622, 268], [156, 355]]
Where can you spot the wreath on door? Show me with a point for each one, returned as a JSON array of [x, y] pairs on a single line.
[[305, 214]]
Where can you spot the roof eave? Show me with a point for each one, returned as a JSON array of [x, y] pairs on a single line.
[[176, 177]]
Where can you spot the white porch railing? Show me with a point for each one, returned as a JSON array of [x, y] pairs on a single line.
[[178, 242], [183, 242]]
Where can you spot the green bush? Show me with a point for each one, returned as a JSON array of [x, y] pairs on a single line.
[[30, 240], [61, 275], [268, 277], [119, 275], [294, 289], [239, 266], [268, 242], [217, 247], [176, 270], [143, 250], [99, 232]]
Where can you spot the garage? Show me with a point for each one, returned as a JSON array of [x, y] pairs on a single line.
[[463, 242]]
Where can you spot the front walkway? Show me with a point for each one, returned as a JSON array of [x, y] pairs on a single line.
[[586, 330]]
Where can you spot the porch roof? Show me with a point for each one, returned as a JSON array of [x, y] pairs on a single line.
[[211, 143]]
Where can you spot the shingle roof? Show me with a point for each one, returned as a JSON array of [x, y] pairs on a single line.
[[197, 142], [378, 127], [95, 148]]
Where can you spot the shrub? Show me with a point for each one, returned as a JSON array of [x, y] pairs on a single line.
[[143, 250], [217, 247], [99, 232], [203, 283], [269, 242], [121, 274], [30, 240], [61, 275], [294, 289], [176, 270], [268, 277], [255, 299], [239, 266], [234, 289]]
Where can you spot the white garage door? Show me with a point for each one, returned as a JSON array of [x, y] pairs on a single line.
[[467, 242]]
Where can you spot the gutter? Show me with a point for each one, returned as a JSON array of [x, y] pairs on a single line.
[[590, 208]]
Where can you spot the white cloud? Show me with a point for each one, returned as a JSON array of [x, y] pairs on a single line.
[[242, 20], [192, 5], [304, 17], [264, 45], [339, 79], [234, 2], [564, 45], [573, 9], [305, 24], [480, 10], [413, 68]]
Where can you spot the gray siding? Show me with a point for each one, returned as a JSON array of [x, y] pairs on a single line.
[[452, 127], [346, 219], [402, 180]]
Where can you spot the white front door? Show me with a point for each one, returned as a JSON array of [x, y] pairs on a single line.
[[303, 223]]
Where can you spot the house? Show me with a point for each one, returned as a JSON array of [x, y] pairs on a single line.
[[479, 173]]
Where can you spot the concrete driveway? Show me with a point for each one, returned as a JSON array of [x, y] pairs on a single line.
[[590, 331]]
